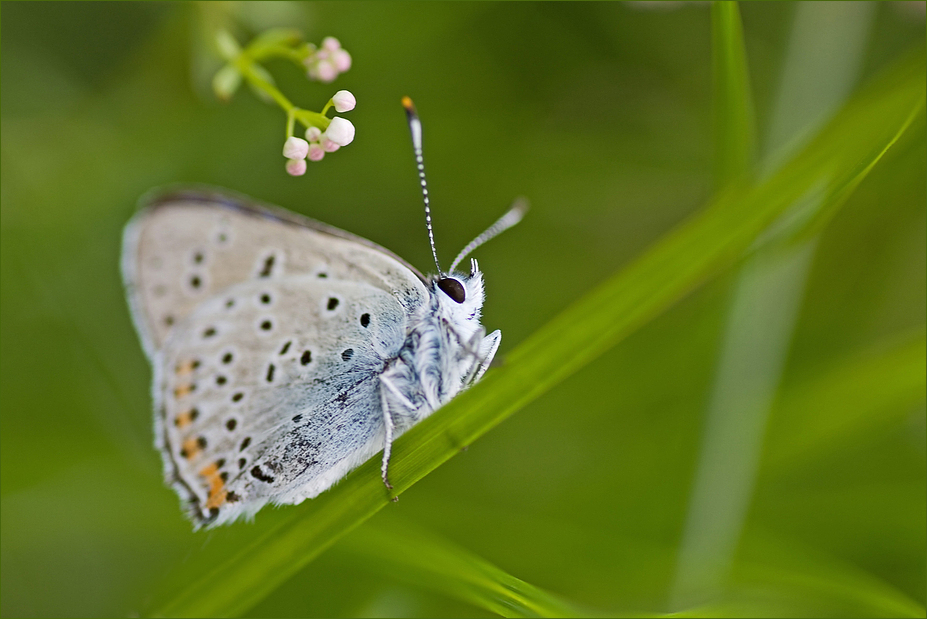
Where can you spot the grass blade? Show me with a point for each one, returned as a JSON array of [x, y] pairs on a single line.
[[861, 395], [239, 566], [733, 106], [424, 560], [765, 303]]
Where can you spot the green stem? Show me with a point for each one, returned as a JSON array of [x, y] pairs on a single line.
[[290, 121], [296, 55], [245, 64]]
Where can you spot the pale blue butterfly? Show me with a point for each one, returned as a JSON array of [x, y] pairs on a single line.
[[287, 352]]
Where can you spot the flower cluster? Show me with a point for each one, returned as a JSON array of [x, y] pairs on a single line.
[[340, 132], [326, 63]]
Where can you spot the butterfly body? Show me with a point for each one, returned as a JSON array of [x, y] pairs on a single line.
[[286, 352]]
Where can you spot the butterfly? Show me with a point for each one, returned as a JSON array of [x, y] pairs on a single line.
[[286, 352]]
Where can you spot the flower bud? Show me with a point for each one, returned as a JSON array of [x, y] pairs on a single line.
[[331, 43], [340, 131], [295, 148], [344, 101], [316, 152], [226, 81], [324, 71], [296, 167], [329, 146], [313, 134], [341, 60]]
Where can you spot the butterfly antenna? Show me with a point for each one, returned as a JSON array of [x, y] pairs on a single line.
[[415, 126], [512, 217]]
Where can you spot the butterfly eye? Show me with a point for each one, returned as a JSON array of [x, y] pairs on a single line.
[[453, 288]]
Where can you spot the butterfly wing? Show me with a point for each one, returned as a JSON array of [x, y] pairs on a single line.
[[185, 246], [266, 375]]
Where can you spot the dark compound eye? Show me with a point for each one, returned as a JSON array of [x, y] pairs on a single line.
[[453, 288]]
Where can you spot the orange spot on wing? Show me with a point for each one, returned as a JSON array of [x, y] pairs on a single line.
[[209, 470], [217, 492], [189, 448], [217, 497], [183, 390], [184, 419], [186, 367]]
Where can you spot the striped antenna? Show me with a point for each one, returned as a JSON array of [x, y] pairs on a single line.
[[511, 217], [415, 126]]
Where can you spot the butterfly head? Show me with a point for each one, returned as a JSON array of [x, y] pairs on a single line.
[[460, 295]]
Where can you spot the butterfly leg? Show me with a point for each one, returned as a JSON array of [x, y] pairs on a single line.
[[388, 446], [388, 423], [488, 348]]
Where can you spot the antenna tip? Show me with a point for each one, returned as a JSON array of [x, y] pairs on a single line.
[[407, 103], [520, 206]]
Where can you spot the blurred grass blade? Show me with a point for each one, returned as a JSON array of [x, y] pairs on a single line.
[[848, 402], [733, 105], [765, 303], [238, 566], [805, 577], [421, 559]]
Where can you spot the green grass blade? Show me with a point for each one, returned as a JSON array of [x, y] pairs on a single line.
[[765, 303], [808, 582], [851, 401], [239, 566], [423, 560], [733, 105]]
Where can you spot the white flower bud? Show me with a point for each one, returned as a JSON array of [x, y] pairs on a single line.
[[340, 131], [316, 152], [344, 101], [295, 148], [296, 167], [313, 134]]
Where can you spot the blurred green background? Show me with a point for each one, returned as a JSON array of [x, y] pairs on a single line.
[[601, 492]]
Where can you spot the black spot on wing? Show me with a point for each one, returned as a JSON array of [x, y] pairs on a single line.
[[267, 268], [260, 475]]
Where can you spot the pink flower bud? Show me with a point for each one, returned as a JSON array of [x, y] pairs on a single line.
[[295, 148], [329, 146], [296, 167], [313, 134], [340, 131], [331, 43], [341, 60], [344, 101], [325, 72], [316, 152]]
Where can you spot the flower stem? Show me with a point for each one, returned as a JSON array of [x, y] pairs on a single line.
[[246, 65]]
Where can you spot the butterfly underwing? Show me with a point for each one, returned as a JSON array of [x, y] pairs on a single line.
[[285, 352]]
